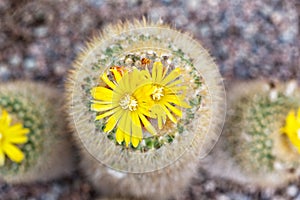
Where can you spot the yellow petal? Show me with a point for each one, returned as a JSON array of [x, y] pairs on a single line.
[[160, 69], [177, 89], [108, 113], [134, 80], [102, 93], [135, 141], [174, 83], [123, 85], [160, 121], [160, 115], [136, 128], [171, 117], [172, 99], [291, 125], [101, 107], [147, 124], [112, 121], [117, 74], [13, 152], [172, 76], [17, 140], [107, 81], [146, 74], [15, 127], [5, 118], [298, 117], [125, 123], [2, 158], [175, 110], [127, 139], [154, 72], [119, 136], [157, 72], [17, 130]]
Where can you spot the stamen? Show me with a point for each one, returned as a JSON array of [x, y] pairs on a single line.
[[129, 102], [158, 93]]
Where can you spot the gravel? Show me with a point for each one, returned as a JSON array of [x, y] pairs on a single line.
[[249, 40]]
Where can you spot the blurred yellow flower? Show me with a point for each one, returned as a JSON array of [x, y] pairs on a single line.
[[167, 91], [10, 135], [126, 101], [292, 128]]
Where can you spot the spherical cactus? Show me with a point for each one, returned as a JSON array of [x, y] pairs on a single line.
[[260, 141], [147, 102], [34, 144]]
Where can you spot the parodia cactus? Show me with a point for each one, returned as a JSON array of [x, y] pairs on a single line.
[[33, 140], [260, 142], [147, 102]]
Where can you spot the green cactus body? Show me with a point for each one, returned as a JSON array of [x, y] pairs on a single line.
[[47, 154], [256, 150], [162, 162]]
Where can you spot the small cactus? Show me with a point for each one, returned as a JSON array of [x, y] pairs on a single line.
[[255, 146], [33, 144], [147, 102]]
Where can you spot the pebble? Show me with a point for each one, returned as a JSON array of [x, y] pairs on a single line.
[[288, 35], [4, 72], [292, 190], [116, 174], [240, 34], [238, 196], [205, 30], [210, 186], [297, 197], [53, 194], [40, 32], [15, 60], [268, 193], [222, 197], [29, 63], [59, 69], [277, 197]]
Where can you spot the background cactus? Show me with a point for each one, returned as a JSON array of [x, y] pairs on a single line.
[[253, 148], [160, 166], [47, 153]]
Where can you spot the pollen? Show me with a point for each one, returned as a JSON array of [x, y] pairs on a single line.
[[158, 93], [129, 102]]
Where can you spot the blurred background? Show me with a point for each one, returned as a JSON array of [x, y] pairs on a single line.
[[257, 39]]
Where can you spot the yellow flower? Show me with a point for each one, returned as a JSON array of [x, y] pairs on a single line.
[[126, 103], [10, 135], [292, 128], [167, 91]]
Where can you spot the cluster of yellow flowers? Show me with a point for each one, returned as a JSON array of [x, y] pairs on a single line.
[[10, 136], [135, 96]]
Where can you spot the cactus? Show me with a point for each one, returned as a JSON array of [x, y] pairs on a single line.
[[147, 102], [32, 121], [254, 148]]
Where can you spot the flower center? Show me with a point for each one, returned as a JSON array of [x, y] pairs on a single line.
[[129, 102], [158, 93]]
